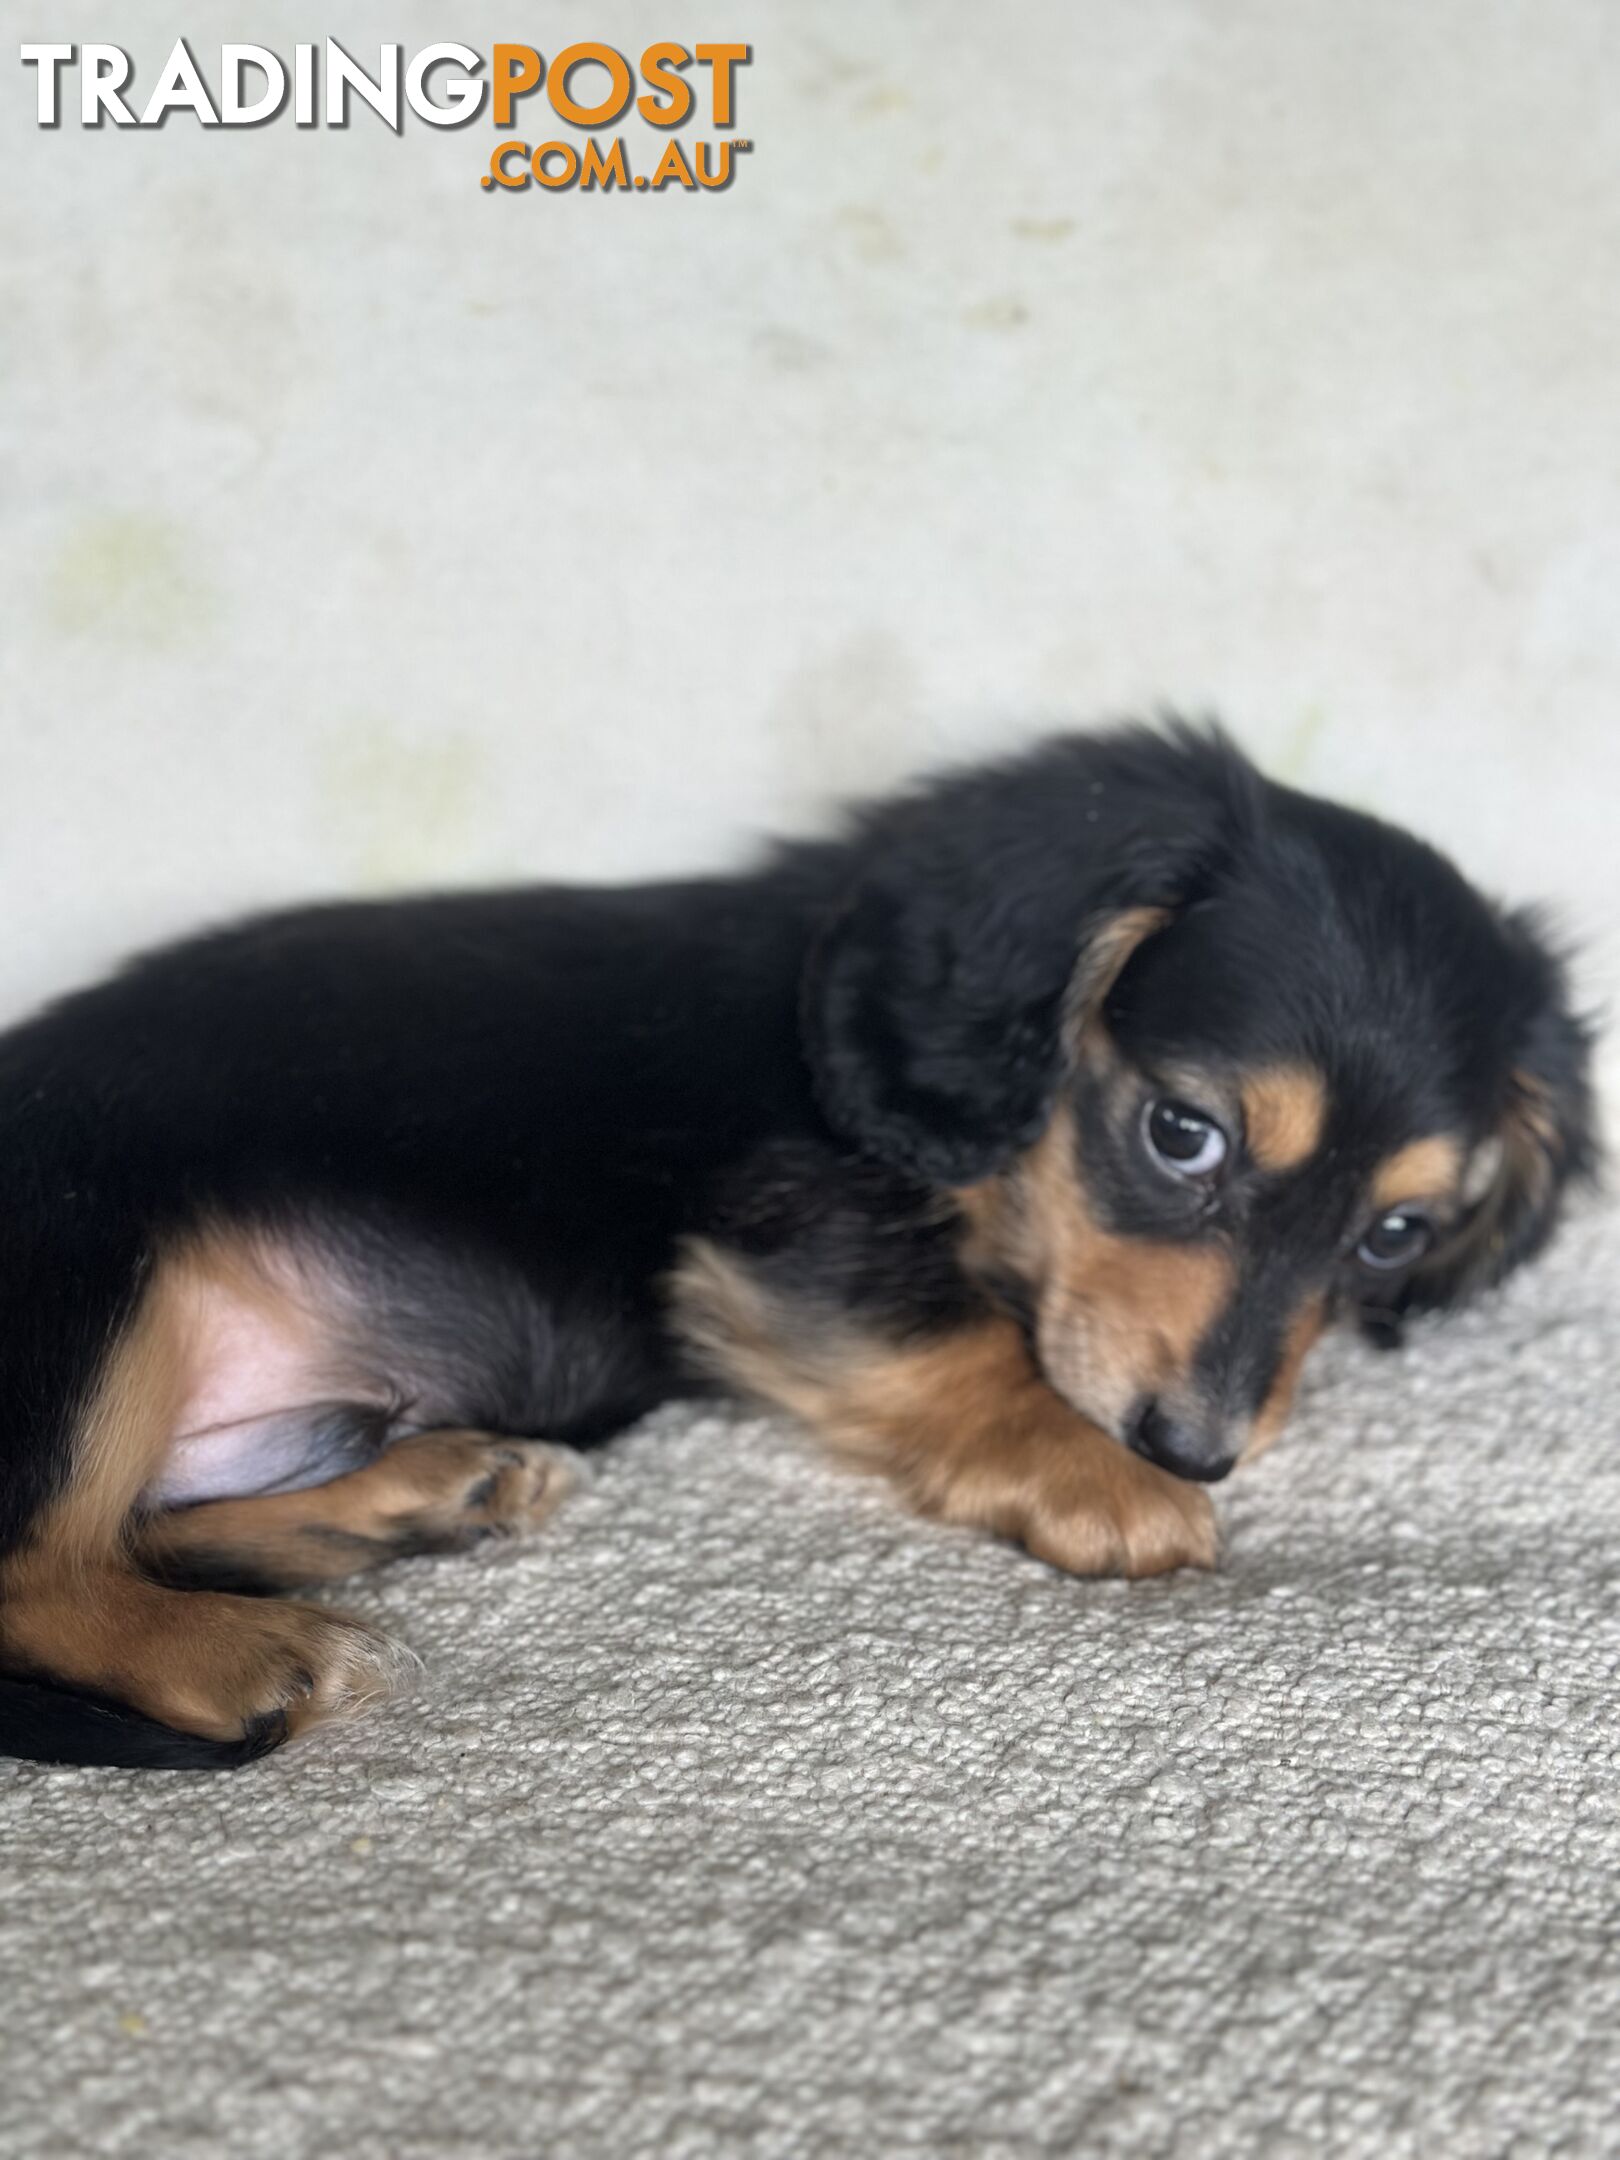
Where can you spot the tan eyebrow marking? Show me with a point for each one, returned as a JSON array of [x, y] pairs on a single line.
[[1421, 1169], [1284, 1113]]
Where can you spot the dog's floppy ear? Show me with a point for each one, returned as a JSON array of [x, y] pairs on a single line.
[[1545, 1137], [984, 911]]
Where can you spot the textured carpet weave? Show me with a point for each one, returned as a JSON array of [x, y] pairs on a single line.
[[741, 1814]]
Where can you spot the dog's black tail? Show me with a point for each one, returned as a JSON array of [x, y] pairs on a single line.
[[50, 1725]]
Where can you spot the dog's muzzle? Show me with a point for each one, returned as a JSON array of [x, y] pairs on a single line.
[[1184, 1449]]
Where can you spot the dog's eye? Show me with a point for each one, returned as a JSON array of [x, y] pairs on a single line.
[[1396, 1240], [1186, 1143]]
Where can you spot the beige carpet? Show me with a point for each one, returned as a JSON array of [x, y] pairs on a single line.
[[741, 1814]]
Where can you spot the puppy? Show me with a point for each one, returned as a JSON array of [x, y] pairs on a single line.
[[1021, 1140]]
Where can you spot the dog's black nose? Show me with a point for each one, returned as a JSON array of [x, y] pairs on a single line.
[[1159, 1438]]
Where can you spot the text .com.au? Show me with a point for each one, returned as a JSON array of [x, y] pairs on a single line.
[[583, 88]]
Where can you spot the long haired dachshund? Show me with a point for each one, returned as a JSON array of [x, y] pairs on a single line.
[[1021, 1140]]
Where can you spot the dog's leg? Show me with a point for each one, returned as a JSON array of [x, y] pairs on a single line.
[[77, 1614], [228, 1668], [437, 1492], [971, 1434], [961, 1422]]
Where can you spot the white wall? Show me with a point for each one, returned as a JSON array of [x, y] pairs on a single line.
[[359, 527]]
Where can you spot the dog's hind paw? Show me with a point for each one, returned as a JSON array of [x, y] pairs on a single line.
[[449, 1491]]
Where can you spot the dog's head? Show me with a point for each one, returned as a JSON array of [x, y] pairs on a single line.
[[1209, 1064]]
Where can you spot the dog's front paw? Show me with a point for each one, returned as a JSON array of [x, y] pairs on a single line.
[[1134, 1520]]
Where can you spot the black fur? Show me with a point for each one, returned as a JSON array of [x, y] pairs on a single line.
[[503, 1112], [934, 995], [56, 1725]]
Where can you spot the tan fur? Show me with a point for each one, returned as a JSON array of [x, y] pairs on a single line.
[[127, 1425], [1514, 1168], [1103, 954], [1423, 1170], [1303, 1333], [973, 1435], [1531, 1136], [74, 1607], [792, 1357], [1284, 1115], [204, 1663], [964, 1426], [235, 1261], [121, 1435], [1117, 1317], [436, 1492]]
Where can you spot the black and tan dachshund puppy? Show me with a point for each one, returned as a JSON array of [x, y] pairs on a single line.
[[1021, 1140]]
